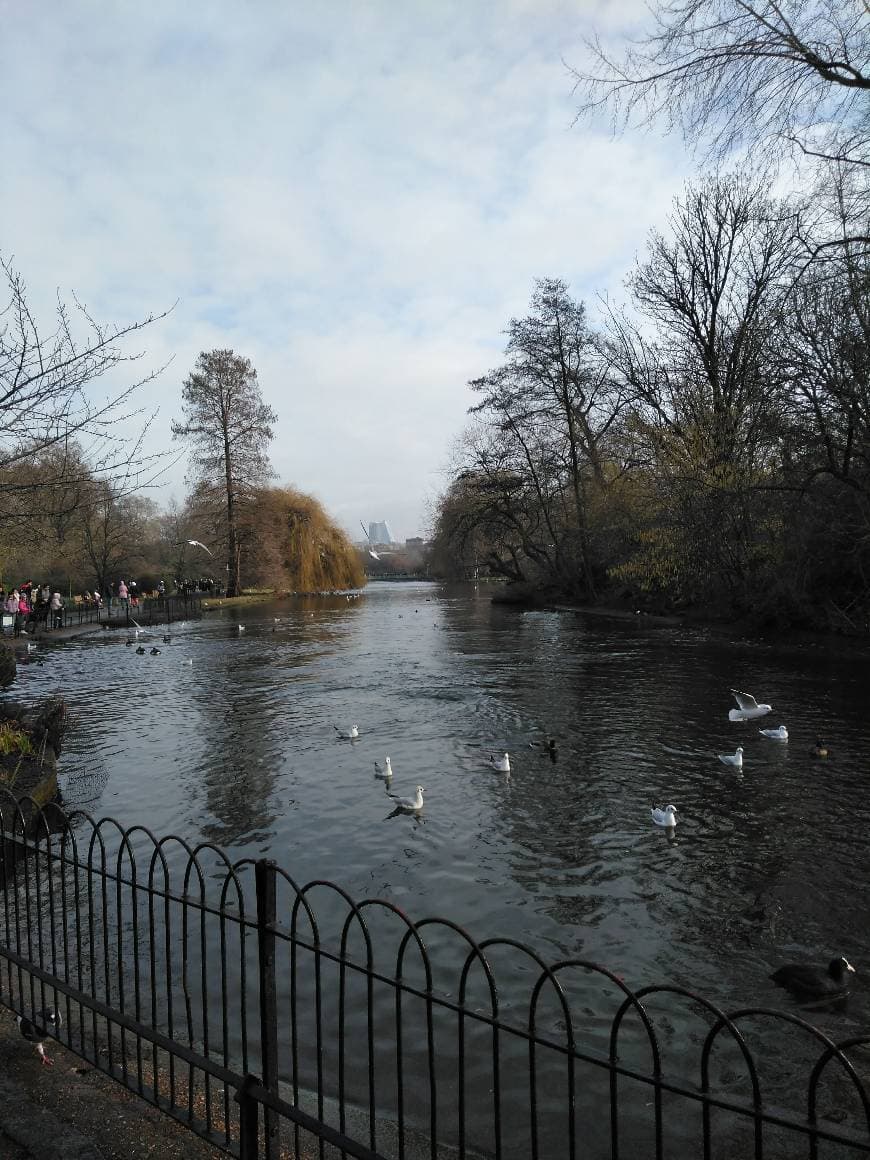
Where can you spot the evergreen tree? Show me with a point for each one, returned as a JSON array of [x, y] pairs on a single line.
[[228, 427]]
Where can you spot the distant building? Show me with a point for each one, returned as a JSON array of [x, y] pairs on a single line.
[[379, 533], [414, 542]]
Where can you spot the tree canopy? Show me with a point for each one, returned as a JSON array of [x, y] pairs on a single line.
[[228, 428]]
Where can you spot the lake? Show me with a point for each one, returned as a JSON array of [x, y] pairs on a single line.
[[238, 748]]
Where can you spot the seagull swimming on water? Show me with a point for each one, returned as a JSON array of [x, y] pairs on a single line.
[[501, 764], [385, 771], [347, 734], [780, 734], [734, 759], [748, 708], [414, 803], [664, 816], [36, 1033]]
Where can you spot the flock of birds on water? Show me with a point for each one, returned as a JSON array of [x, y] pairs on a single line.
[[802, 980]]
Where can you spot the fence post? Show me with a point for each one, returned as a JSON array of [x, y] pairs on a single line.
[[248, 1120], [266, 916]]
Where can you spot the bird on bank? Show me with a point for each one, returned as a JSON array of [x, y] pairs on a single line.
[[747, 707], [36, 1032], [405, 803], [665, 816], [780, 734], [819, 748], [733, 759], [810, 982], [385, 771], [347, 734], [500, 764]]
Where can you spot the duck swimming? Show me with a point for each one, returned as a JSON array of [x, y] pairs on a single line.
[[819, 749], [815, 981]]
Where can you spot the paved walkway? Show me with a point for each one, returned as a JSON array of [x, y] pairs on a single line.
[[73, 1112]]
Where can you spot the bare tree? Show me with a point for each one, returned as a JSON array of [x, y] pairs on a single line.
[[228, 427], [50, 411], [762, 74], [705, 375], [738, 72], [553, 407]]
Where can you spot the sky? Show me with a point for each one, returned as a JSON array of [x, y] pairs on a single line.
[[356, 195]]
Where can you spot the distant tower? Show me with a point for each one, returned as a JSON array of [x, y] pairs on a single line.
[[379, 533]]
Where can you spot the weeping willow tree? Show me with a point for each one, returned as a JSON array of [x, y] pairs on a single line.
[[297, 547]]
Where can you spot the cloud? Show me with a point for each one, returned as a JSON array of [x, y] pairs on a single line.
[[357, 197]]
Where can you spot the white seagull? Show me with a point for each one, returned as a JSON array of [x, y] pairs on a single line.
[[735, 759], [780, 734], [199, 544], [501, 764], [414, 803], [385, 771], [347, 734], [240, 628], [665, 816], [36, 1034], [748, 707]]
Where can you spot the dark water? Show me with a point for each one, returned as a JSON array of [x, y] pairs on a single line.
[[238, 748]]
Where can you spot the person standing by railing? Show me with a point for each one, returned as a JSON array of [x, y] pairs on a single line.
[[55, 606], [23, 613]]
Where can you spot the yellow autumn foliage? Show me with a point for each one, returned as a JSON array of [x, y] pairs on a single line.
[[295, 546]]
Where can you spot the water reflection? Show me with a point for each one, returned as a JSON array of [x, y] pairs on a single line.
[[240, 749]]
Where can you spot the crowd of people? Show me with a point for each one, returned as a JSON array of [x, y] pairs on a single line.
[[31, 605], [34, 606]]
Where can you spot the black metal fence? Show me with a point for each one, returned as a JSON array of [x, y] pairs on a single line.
[[278, 1019], [112, 611]]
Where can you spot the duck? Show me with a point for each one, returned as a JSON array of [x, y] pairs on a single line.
[[167, 640], [141, 651], [780, 734], [664, 816], [819, 748], [500, 764], [747, 707], [733, 759], [130, 643], [815, 981], [240, 628], [37, 1032], [414, 803], [155, 652]]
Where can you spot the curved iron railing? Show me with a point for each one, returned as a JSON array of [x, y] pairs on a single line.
[[277, 1018]]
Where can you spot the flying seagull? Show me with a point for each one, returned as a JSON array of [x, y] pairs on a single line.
[[197, 544], [748, 707], [372, 553]]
